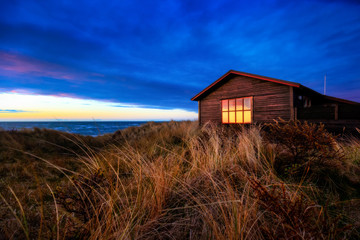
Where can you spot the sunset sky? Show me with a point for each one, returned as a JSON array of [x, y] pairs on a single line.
[[144, 60]]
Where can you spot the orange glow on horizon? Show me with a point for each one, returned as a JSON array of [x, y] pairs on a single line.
[[24, 106]]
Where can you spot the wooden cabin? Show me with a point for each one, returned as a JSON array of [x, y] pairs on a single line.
[[244, 98]]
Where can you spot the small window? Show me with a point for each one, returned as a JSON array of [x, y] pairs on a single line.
[[307, 102], [225, 105], [237, 110]]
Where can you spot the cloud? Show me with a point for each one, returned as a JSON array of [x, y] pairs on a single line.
[[164, 52], [12, 64], [17, 64], [12, 111]]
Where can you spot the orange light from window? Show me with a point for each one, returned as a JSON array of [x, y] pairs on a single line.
[[247, 116], [232, 105], [247, 103], [232, 117], [236, 110], [225, 104], [239, 117], [239, 104], [225, 117]]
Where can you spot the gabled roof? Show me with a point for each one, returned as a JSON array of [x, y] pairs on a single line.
[[237, 73]]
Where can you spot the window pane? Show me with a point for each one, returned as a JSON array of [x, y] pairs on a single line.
[[225, 117], [224, 104], [239, 117], [247, 116], [239, 104], [232, 117], [247, 103], [232, 105]]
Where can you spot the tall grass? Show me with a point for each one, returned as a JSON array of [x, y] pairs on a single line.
[[179, 181]]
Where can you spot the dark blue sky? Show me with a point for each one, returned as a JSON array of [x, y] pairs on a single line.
[[162, 53]]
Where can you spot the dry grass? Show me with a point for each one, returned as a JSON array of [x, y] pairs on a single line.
[[178, 181], [27, 160]]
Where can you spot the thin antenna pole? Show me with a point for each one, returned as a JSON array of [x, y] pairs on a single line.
[[325, 84]]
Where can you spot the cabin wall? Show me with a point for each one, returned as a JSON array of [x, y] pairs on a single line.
[[347, 112], [270, 100], [323, 109], [316, 113], [330, 111]]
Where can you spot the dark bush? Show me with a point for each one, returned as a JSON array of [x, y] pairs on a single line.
[[306, 151], [294, 216]]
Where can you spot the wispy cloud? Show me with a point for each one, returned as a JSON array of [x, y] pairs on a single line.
[[12, 111], [13, 64], [18, 64]]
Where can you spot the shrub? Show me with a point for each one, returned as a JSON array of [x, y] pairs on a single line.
[[292, 215], [307, 151], [303, 147], [302, 140]]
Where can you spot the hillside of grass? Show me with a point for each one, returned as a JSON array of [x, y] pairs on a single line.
[[31, 161], [177, 180]]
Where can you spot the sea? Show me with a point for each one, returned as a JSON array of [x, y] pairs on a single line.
[[88, 128]]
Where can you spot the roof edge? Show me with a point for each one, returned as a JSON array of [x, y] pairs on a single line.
[[292, 84], [336, 99], [341, 100]]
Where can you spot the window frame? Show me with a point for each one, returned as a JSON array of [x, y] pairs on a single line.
[[235, 110]]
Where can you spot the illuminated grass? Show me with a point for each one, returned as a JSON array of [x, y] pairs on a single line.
[[178, 181]]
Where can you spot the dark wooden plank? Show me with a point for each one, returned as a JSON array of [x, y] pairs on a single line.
[[349, 112], [316, 112]]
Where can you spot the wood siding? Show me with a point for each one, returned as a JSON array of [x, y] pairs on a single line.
[[270, 100], [349, 112], [317, 113]]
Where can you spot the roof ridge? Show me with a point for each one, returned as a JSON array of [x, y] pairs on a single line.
[[293, 84]]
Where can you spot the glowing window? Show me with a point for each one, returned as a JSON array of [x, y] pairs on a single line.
[[232, 105], [239, 104], [237, 110], [239, 117], [225, 117], [231, 117], [225, 105]]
